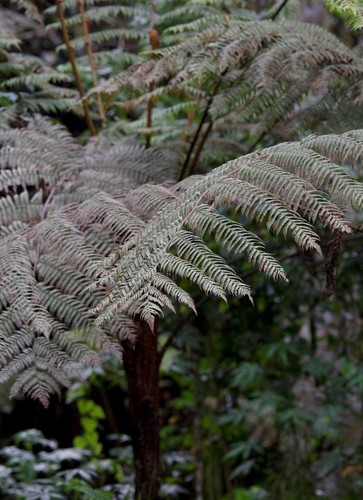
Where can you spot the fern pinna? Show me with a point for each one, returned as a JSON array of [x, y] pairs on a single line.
[[85, 234]]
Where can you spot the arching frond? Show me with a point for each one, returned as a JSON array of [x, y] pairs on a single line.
[[43, 281], [234, 68], [279, 186]]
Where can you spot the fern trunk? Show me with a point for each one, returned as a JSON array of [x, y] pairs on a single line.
[[142, 372]]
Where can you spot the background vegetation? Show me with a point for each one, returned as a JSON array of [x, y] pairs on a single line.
[[261, 401]]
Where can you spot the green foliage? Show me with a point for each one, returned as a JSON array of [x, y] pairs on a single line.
[[282, 422], [349, 10], [28, 83], [231, 72], [90, 414]]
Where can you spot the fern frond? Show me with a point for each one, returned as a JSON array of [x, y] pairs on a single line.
[[106, 35], [132, 270], [23, 296], [86, 343], [37, 384], [263, 206], [235, 69], [17, 365], [68, 243], [166, 284], [8, 38], [96, 14], [173, 265], [146, 200], [295, 191], [194, 250], [33, 82], [339, 148], [30, 9], [350, 10], [64, 278], [46, 102], [328, 176], [36, 79], [18, 343], [38, 305], [108, 214], [121, 253], [78, 344], [232, 236], [48, 354], [49, 296]]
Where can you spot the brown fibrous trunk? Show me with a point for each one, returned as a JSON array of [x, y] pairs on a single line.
[[141, 361]]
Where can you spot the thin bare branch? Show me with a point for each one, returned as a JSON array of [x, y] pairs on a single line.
[[72, 60], [154, 43], [88, 43]]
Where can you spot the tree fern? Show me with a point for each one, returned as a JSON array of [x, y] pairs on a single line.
[[96, 240], [117, 255]]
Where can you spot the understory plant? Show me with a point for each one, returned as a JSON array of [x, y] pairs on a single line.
[[35, 467]]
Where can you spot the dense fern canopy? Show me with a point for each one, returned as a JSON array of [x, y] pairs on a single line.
[[85, 233], [96, 236], [261, 77], [44, 168]]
